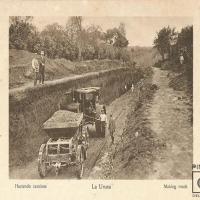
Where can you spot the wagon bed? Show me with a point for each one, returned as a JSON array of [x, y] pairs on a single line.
[[63, 123], [64, 119]]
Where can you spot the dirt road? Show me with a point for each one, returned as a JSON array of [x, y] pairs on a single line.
[[168, 153], [169, 117]]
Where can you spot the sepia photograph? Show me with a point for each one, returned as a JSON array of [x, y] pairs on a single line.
[[107, 98]]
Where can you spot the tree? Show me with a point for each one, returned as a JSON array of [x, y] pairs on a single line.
[[95, 39], [114, 37], [163, 39], [120, 41], [122, 29], [20, 32], [117, 40], [185, 43], [34, 41], [56, 43], [52, 37], [75, 23], [71, 42]]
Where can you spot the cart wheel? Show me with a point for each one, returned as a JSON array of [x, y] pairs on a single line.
[[42, 169], [80, 167]]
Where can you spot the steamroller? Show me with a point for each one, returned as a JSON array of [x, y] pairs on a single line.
[[86, 101]]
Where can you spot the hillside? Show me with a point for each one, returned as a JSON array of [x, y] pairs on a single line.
[[21, 73]]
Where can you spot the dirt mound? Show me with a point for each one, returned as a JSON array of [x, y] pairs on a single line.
[[180, 82]]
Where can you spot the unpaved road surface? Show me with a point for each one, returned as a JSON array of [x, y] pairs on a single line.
[[167, 115]]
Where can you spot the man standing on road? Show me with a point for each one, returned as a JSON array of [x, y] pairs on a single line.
[[111, 128], [35, 66], [125, 87], [103, 119], [42, 67], [181, 59], [132, 88]]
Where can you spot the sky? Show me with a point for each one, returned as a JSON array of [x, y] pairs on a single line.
[[140, 31]]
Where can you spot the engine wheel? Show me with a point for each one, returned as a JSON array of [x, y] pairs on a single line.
[[42, 169]]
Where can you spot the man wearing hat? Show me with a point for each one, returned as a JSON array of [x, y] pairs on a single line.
[[103, 119], [181, 59], [42, 67], [35, 66]]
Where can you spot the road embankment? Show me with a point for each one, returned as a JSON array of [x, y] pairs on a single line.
[[30, 107]]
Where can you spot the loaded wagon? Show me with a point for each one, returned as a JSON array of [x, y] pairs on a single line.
[[67, 145]]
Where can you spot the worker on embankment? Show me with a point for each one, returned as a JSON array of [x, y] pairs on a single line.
[[132, 87], [125, 88], [35, 66], [181, 58], [42, 67]]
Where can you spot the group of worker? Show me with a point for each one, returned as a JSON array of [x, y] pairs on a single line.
[[38, 65], [127, 88]]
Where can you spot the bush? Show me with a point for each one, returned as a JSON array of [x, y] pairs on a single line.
[[158, 64]]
